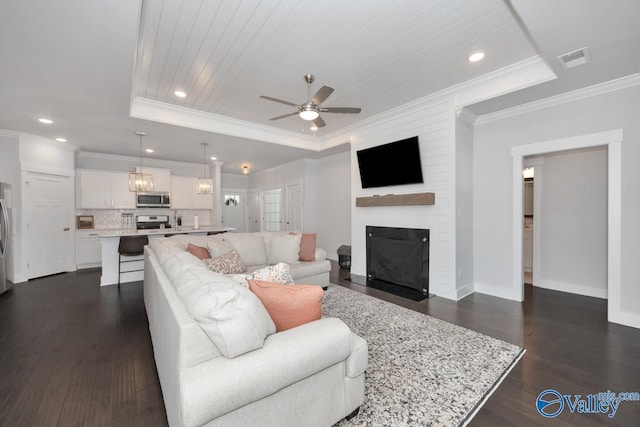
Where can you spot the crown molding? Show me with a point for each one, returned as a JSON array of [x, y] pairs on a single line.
[[466, 115], [523, 74], [564, 98], [529, 72], [162, 112]]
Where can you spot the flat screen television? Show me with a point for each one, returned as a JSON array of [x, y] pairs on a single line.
[[395, 163]]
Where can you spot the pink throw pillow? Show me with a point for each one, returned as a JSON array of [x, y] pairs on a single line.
[[289, 305], [308, 247], [198, 251]]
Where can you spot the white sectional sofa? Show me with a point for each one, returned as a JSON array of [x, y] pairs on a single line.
[[259, 250], [220, 362]]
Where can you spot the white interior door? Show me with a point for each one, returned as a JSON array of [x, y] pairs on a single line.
[[233, 209], [271, 209], [49, 224], [295, 207], [254, 211]]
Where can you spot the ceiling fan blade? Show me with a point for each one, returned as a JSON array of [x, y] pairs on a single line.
[[322, 94], [344, 110], [268, 98], [319, 122], [285, 115]]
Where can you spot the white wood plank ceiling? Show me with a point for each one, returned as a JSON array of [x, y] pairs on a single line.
[[375, 54]]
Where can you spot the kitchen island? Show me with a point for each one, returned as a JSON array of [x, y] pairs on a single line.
[[110, 239]]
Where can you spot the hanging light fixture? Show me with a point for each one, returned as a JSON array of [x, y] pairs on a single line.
[[205, 185], [138, 180]]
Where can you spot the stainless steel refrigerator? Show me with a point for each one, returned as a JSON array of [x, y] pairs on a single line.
[[5, 235]]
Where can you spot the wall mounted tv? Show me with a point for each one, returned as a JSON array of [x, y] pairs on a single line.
[[395, 163]]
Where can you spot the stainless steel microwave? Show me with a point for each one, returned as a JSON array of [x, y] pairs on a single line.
[[153, 200]]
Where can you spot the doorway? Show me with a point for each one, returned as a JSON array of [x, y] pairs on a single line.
[[271, 210], [612, 140], [48, 225]]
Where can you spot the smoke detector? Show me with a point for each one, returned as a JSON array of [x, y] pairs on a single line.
[[575, 58]]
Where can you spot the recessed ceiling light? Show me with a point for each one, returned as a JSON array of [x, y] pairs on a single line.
[[45, 121], [214, 158], [149, 150], [60, 139], [476, 56], [180, 93]]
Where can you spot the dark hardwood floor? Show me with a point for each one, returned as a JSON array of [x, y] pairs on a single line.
[[72, 353]]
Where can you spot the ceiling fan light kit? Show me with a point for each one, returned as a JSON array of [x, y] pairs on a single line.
[[138, 180], [311, 109]]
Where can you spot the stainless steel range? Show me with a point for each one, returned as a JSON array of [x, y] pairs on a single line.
[[151, 222]]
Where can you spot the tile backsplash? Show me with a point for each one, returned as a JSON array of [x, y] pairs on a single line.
[[105, 219]]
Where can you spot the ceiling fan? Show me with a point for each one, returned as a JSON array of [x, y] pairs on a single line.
[[311, 109]]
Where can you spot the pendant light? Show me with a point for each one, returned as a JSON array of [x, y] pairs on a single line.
[[138, 180], [205, 185]]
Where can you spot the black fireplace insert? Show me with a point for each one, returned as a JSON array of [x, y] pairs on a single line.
[[398, 261]]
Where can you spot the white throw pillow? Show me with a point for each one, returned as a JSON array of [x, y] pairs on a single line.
[[284, 248], [250, 247], [232, 316]]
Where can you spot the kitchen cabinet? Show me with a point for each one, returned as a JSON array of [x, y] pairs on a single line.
[[103, 190], [161, 178], [184, 194], [88, 249]]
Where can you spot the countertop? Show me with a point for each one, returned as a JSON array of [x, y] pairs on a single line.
[[176, 230]]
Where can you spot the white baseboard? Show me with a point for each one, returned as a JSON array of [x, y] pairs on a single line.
[[572, 288], [625, 318], [498, 291], [464, 291]]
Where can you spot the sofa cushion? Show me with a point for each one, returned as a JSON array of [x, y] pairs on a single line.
[[177, 262], [198, 251], [308, 247], [232, 316], [250, 246], [219, 247], [289, 306], [283, 248]]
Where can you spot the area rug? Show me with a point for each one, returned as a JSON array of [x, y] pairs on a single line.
[[422, 371]]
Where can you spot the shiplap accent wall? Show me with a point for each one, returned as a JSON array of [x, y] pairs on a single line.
[[432, 122]]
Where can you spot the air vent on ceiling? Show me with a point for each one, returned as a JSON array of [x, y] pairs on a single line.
[[575, 58]]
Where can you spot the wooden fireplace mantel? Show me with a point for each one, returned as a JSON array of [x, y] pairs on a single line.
[[413, 199]]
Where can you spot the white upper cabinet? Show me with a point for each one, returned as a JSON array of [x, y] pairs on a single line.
[[103, 190], [161, 178], [184, 194]]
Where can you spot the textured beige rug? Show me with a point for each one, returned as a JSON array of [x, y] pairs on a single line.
[[422, 371]]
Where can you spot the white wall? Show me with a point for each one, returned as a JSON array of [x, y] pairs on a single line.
[[276, 177], [432, 122], [493, 194], [329, 201], [235, 181], [574, 223], [464, 207]]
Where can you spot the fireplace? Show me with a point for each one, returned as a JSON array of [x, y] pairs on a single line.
[[398, 261]]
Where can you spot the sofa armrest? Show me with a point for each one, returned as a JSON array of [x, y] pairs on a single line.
[[220, 385], [320, 254]]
